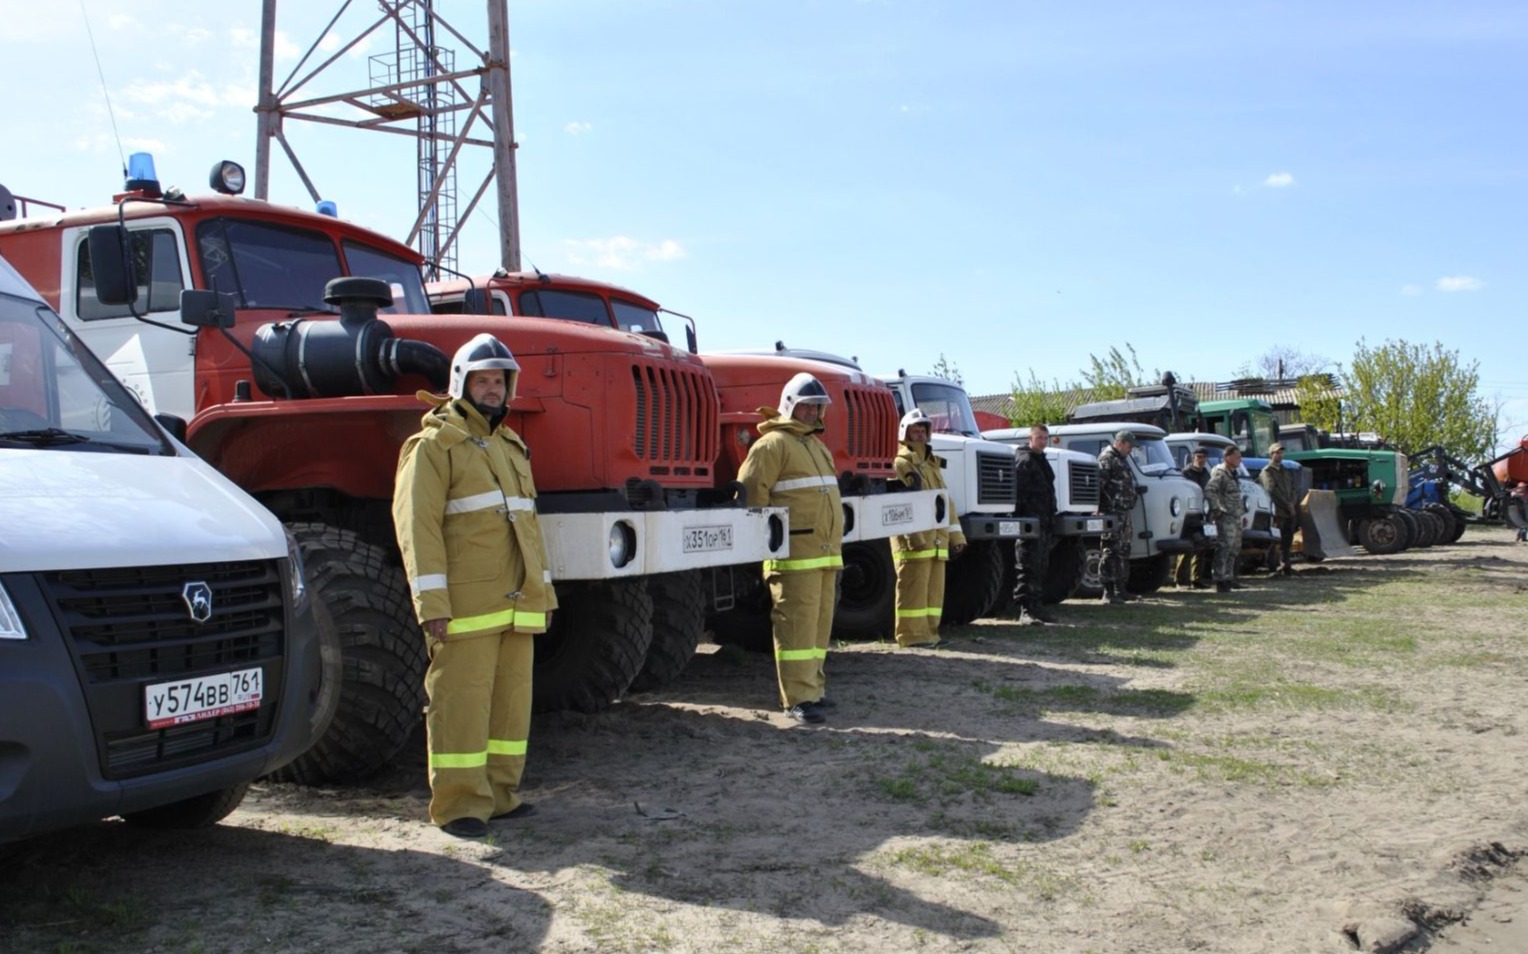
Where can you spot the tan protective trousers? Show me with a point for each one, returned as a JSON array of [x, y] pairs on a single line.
[[478, 723], [920, 595], [803, 623]]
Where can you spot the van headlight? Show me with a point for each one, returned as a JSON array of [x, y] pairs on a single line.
[[297, 577], [1175, 506], [11, 626]]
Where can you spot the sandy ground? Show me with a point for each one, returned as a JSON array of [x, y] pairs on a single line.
[[1193, 773]]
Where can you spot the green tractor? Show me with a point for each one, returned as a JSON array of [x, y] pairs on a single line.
[[1370, 482]]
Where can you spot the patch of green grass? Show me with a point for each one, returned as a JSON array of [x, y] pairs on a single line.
[[1092, 699], [945, 775], [977, 859], [1283, 695]]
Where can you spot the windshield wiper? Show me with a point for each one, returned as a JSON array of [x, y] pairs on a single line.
[[44, 436]]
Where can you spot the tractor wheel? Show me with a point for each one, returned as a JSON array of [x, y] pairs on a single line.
[[1416, 534], [1451, 523], [1383, 535], [867, 598], [971, 583], [1010, 578], [598, 641], [679, 618], [199, 811], [1148, 575], [1068, 568], [373, 653]]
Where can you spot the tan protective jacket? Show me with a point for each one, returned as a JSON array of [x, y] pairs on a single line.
[[464, 506], [789, 467], [930, 470]]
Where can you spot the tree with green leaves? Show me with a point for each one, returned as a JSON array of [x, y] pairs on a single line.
[[1104, 379], [945, 368], [1414, 397]]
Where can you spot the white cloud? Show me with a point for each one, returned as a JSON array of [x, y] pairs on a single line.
[[245, 39], [621, 252], [1456, 283], [577, 128], [1279, 180], [1411, 290]]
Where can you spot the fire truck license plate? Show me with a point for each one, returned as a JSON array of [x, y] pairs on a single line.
[[1009, 528], [707, 539], [1210, 530], [891, 516], [206, 697], [1095, 526]]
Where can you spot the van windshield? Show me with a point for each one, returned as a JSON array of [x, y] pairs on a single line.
[[1153, 457], [55, 395]]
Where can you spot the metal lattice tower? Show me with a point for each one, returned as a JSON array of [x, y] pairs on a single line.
[[417, 91]]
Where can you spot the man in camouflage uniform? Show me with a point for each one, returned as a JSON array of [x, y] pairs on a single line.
[[1223, 499], [1280, 484], [1117, 495]]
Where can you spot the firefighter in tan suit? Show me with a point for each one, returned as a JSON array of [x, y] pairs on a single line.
[[789, 467], [920, 558], [464, 508]]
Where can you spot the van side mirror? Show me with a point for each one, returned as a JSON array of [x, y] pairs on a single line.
[[111, 265], [201, 308]]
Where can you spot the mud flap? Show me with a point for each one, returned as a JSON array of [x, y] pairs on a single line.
[[1321, 535]]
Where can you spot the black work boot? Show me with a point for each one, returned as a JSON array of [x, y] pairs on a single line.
[[1039, 613], [1221, 586], [1110, 596]]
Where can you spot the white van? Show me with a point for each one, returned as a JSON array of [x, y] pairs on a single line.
[[157, 649]]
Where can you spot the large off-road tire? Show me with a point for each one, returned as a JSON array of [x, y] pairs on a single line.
[[1068, 567], [679, 619], [373, 651], [197, 812], [867, 599], [971, 582], [1148, 575], [1091, 586], [747, 625], [597, 644], [1383, 535]]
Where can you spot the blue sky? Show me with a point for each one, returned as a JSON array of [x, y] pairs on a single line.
[[1016, 185]]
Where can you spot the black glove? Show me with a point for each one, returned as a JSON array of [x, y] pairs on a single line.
[[914, 480]]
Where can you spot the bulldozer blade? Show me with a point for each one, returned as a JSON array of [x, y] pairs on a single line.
[[1321, 535]]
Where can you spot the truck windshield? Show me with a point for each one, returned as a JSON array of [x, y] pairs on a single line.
[[1153, 457], [278, 266], [55, 395], [948, 406]]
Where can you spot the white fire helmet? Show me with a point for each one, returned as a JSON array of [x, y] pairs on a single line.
[[915, 416], [483, 353], [802, 389]]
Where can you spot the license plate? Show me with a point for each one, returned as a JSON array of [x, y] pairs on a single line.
[[1009, 528], [1211, 530], [707, 539], [892, 516], [1095, 526], [205, 697]]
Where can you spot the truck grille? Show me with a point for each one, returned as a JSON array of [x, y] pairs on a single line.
[[995, 479], [870, 421], [677, 419], [1082, 480], [129, 627]]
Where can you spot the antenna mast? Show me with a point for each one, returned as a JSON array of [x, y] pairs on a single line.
[[415, 91]]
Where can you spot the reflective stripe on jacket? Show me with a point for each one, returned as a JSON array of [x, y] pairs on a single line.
[[464, 506], [789, 467]]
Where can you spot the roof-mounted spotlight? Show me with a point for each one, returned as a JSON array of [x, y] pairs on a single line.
[[228, 178]]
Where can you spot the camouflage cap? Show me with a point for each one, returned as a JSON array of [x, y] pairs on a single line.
[[1275, 446], [1125, 436]]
